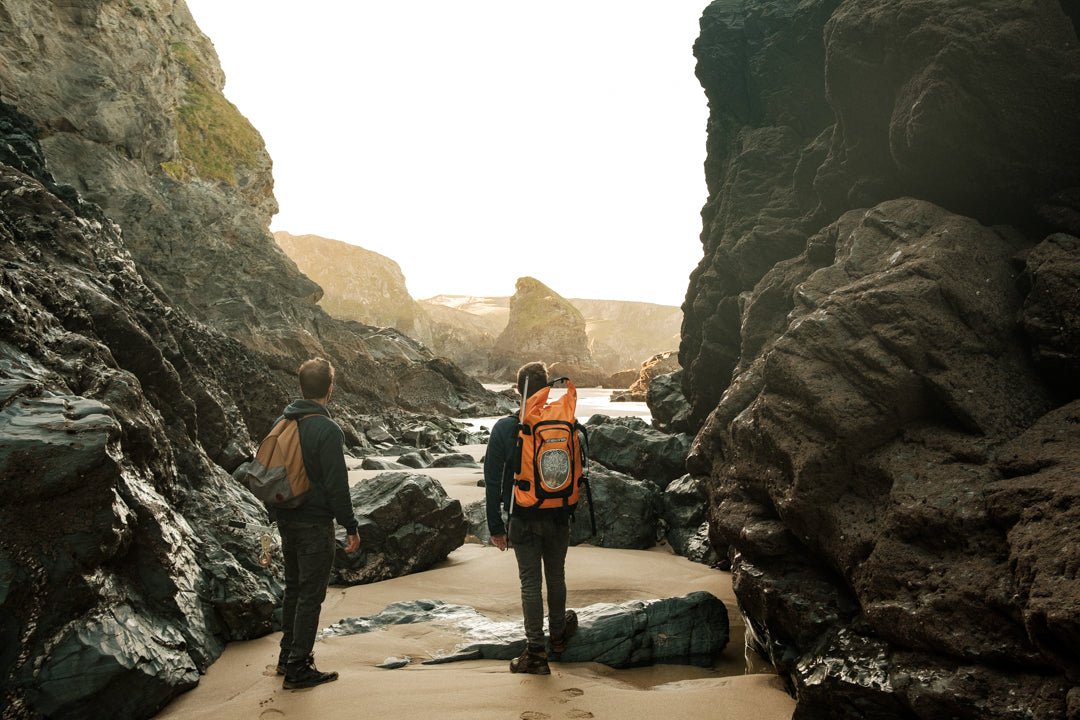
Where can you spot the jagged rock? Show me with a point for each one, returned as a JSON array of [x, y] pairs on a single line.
[[626, 512], [660, 364], [543, 326], [454, 460], [114, 427], [130, 101], [629, 445], [1051, 315], [620, 380], [379, 463], [688, 630], [407, 524], [378, 434], [687, 526], [418, 459], [422, 436], [885, 482], [667, 403], [476, 516], [858, 375]]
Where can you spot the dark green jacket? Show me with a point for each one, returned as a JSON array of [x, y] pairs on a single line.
[[323, 446]]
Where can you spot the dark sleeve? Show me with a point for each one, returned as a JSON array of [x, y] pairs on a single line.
[[498, 452], [336, 477]]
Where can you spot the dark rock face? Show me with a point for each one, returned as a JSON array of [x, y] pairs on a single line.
[[626, 512], [688, 630], [686, 525], [667, 403], [454, 460], [629, 445], [407, 524], [879, 349], [115, 422], [1051, 314]]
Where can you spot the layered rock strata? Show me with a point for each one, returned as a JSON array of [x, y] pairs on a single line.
[[879, 349]]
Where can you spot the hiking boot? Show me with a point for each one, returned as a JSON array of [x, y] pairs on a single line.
[[558, 642], [282, 661], [531, 661], [305, 674]]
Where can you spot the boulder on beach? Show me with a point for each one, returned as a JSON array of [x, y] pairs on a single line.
[[407, 524], [686, 524], [688, 630], [626, 511], [629, 445]]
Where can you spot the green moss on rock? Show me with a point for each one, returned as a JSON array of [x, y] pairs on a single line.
[[214, 138]]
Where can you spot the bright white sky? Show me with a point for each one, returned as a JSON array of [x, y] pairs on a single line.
[[477, 141]]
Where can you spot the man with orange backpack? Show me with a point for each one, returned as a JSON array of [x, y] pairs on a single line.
[[533, 468]]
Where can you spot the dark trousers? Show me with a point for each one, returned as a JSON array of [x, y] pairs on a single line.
[[309, 555], [541, 545]]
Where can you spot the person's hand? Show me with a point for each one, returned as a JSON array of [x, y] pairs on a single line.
[[499, 541], [352, 543]]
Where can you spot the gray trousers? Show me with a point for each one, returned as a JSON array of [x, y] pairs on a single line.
[[309, 555], [541, 545]]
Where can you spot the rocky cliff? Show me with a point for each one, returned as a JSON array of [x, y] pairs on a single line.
[[880, 348], [367, 287], [128, 99], [357, 284], [119, 580], [544, 326]]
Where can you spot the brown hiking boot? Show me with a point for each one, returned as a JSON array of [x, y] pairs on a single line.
[[558, 642], [530, 661]]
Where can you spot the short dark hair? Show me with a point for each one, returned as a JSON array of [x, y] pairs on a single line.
[[535, 373], [316, 376]]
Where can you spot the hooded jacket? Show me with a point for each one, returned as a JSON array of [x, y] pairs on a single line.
[[322, 444]]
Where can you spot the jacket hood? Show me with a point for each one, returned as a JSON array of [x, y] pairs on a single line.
[[298, 408]]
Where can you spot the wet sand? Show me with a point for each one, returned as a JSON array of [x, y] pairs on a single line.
[[242, 683]]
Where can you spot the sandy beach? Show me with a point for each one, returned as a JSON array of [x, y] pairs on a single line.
[[242, 683]]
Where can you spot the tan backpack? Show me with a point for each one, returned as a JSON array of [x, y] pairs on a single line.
[[277, 475]]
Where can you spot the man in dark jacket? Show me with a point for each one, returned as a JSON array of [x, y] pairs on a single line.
[[540, 538], [307, 531]]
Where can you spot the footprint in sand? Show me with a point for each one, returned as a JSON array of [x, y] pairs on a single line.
[[272, 713], [579, 714], [533, 715], [270, 671], [568, 694]]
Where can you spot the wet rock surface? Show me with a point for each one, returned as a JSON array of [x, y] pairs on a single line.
[[688, 630], [626, 512], [879, 349], [686, 524], [115, 426], [629, 445], [407, 524]]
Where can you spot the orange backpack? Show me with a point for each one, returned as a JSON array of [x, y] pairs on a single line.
[[549, 461]]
